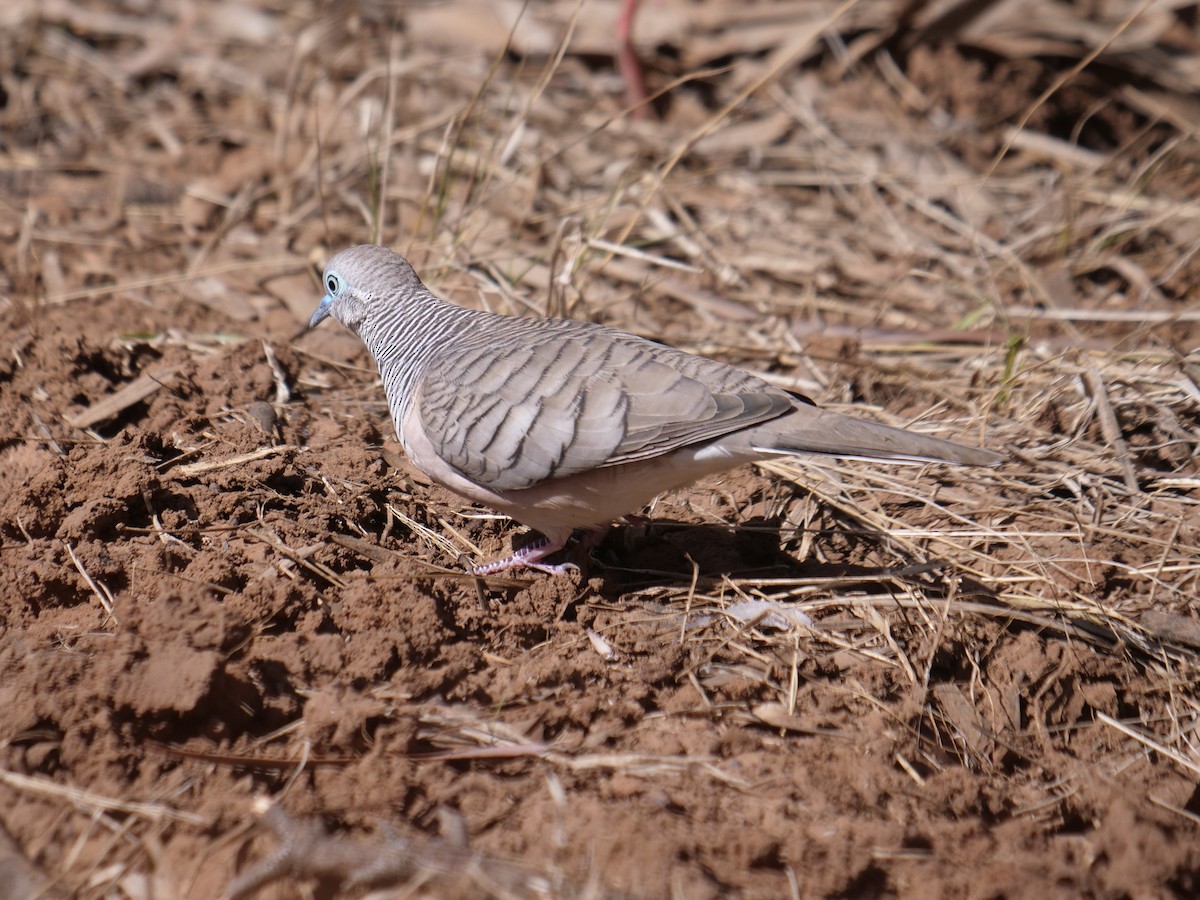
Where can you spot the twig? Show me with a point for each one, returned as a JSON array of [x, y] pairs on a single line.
[[93, 802], [191, 470], [134, 392], [103, 594], [1150, 742]]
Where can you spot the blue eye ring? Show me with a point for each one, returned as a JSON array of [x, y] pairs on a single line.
[[332, 283]]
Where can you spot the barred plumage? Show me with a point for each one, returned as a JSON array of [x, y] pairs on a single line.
[[565, 425]]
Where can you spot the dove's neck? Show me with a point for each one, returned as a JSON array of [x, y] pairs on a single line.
[[414, 330]]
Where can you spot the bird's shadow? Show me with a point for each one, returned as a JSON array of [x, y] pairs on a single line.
[[666, 553]]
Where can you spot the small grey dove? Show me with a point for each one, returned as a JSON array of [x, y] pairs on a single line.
[[566, 425]]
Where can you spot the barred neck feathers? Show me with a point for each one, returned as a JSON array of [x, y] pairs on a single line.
[[405, 335]]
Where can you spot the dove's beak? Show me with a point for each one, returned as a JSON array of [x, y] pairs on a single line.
[[322, 312]]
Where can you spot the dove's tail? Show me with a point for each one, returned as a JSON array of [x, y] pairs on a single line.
[[810, 429]]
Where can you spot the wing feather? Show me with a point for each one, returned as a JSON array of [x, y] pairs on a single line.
[[565, 397]]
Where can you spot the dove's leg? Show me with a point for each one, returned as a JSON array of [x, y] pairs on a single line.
[[531, 555]]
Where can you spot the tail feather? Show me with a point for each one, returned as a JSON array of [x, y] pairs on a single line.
[[812, 430]]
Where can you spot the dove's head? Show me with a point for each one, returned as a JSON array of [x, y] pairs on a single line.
[[361, 282]]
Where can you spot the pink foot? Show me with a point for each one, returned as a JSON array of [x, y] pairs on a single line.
[[530, 557]]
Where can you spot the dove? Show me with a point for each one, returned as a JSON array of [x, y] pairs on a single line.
[[566, 425]]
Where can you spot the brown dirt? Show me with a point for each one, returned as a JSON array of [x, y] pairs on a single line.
[[231, 586]]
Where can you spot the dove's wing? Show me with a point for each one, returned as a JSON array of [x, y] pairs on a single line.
[[536, 400]]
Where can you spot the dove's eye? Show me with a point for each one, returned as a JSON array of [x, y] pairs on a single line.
[[332, 283]]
